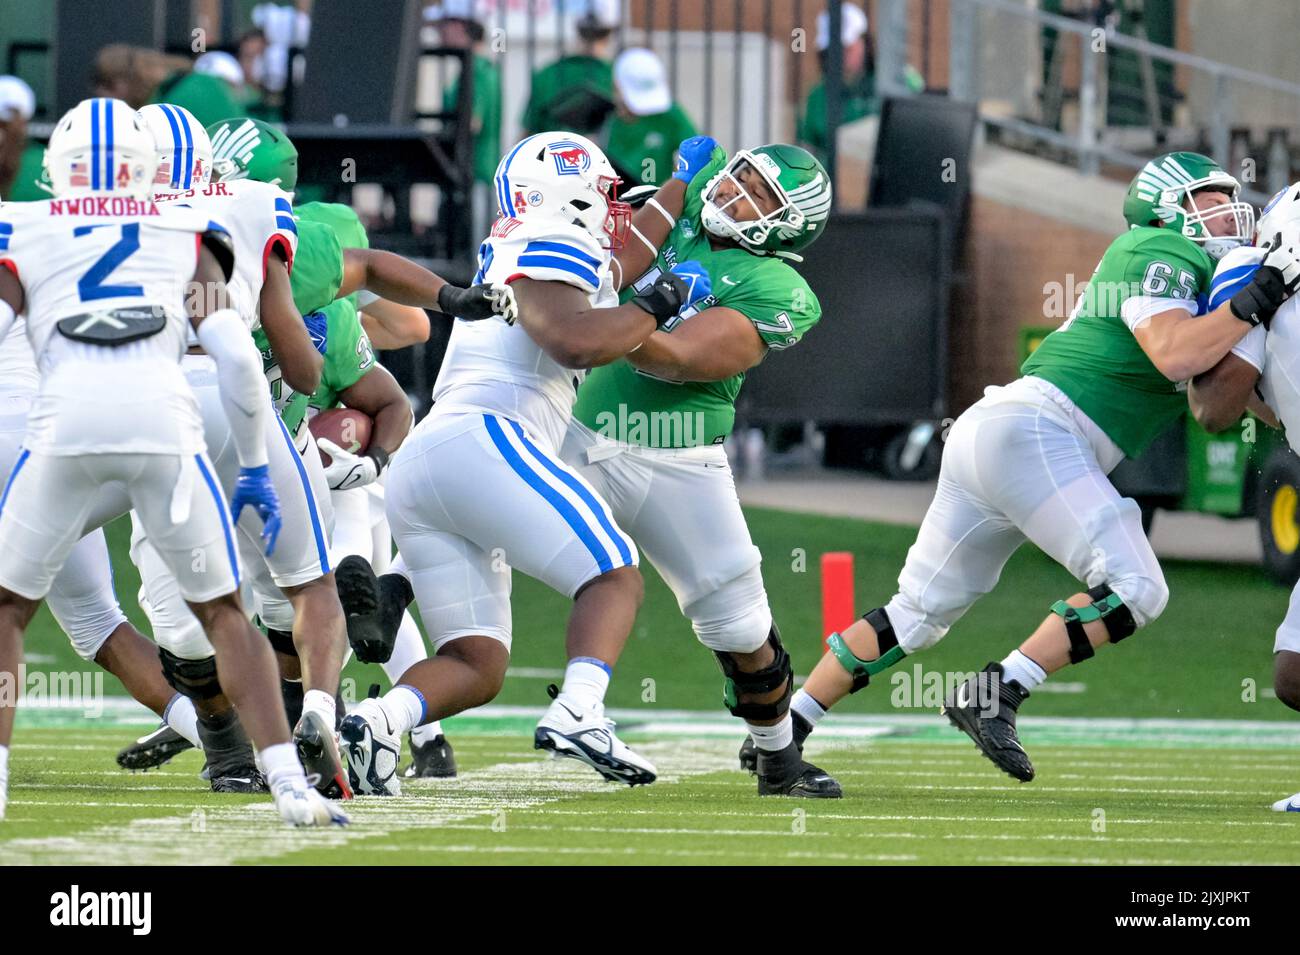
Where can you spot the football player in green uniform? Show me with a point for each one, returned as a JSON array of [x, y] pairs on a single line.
[[1030, 460], [647, 431]]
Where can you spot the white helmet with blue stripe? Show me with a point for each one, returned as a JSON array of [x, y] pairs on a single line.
[[564, 176], [101, 145], [184, 149]]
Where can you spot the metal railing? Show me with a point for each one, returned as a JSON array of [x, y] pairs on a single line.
[[1078, 87]]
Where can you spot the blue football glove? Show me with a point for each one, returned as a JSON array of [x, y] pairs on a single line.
[[693, 155], [318, 328], [698, 283], [253, 488]]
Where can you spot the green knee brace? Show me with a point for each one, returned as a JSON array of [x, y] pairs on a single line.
[[863, 670]]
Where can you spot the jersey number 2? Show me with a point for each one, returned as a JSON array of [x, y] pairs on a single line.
[[91, 285]]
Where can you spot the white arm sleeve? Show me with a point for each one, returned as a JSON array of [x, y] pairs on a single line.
[[7, 317], [1137, 310], [239, 377], [1252, 348]]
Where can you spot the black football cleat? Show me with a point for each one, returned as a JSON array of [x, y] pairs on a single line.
[[153, 749], [433, 760], [319, 752], [373, 607], [984, 708], [784, 773], [749, 752], [245, 780]]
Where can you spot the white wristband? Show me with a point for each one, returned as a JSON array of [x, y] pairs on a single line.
[[654, 250], [653, 203]]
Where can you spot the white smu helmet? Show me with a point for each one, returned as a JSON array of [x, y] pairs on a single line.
[[184, 150], [1280, 216], [566, 176], [101, 145]]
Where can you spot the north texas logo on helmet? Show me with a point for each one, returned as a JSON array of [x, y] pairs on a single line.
[[236, 144], [571, 159]]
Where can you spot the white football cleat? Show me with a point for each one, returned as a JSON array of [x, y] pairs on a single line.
[[301, 805], [372, 751], [566, 729], [1291, 804]]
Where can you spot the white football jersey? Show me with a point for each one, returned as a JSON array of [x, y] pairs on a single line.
[[1274, 351], [259, 217], [88, 256], [494, 367]]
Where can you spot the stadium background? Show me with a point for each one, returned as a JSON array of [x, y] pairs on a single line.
[[973, 199]]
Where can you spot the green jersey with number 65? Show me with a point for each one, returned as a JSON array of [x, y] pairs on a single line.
[[628, 405], [1094, 357]]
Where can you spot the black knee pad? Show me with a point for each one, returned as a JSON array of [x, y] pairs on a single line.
[[281, 641], [196, 679], [1118, 619], [1107, 607], [778, 673]]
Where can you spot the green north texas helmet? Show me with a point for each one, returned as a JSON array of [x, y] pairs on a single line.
[[800, 183], [1156, 195], [245, 148]]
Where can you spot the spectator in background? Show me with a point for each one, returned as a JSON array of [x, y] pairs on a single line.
[[282, 28], [576, 92], [459, 26], [647, 126], [20, 159], [858, 98], [132, 73]]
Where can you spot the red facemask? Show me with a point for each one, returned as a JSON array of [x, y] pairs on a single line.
[[618, 218]]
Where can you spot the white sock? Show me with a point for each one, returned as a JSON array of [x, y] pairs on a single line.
[[181, 717], [320, 703], [807, 707], [1023, 670], [772, 738], [280, 764], [403, 707], [585, 681], [426, 733], [407, 651]]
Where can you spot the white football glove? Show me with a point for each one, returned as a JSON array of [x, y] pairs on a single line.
[[503, 301], [347, 470], [1283, 254]]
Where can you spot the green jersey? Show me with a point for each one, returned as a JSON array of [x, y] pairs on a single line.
[[627, 405], [348, 355], [575, 93], [1094, 357], [642, 148], [325, 229]]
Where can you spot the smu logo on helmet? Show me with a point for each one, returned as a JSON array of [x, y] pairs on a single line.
[[571, 159]]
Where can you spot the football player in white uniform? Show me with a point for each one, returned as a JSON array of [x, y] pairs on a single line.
[[81, 596], [479, 488], [109, 283], [1262, 374], [260, 219]]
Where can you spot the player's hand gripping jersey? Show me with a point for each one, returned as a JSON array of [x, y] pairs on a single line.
[[497, 368], [106, 279]]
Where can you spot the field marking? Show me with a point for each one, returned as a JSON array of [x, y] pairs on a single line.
[[254, 833]]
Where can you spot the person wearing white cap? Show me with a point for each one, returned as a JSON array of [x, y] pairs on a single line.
[[858, 96], [648, 124], [576, 92], [20, 161]]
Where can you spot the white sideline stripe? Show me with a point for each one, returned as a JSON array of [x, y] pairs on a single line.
[[867, 817], [254, 833]]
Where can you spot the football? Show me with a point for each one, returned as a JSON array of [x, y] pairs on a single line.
[[346, 427]]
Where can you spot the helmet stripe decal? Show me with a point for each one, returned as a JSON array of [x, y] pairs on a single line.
[[503, 178], [108, 144], [188, 155], [176, 146], [94, 144]]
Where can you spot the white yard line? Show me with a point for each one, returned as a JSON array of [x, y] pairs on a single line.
[[254, 833]]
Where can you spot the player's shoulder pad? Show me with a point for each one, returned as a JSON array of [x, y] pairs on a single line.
[[1234, 270], [1152, 243], [552, 252]]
